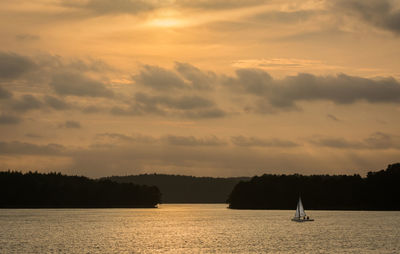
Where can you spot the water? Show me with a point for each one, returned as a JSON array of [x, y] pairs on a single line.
[[201, 228]]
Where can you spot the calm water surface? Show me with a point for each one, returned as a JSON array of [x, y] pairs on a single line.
[[204, 228]]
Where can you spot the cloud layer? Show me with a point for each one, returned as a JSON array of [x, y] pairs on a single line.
[[199, 87], [285, 93]]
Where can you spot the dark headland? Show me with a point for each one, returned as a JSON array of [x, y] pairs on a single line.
[[53, 190], [377, 191]]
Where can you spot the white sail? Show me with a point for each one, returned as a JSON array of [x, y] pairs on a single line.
[[300, 210], [300, 215]]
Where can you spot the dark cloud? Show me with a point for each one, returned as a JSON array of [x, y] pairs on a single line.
[[137, 138], [9, 119], [167, 140], [25, 103], [14, 66], [182, 102], [33, 135], [116, 136], [254, 141], [56, 103], [340, 89], [332, 117], [87, 65], [338, 143], [27, 37], [17, 147], [92, 109], [380, 140], [193, 141], [5, 94], [381, 13], [281, 17], [158, 78], [29, 102], [73, 83], [185, 76], [71, 125], [198, 79], [114, 7], [377, 140], [205, 113], [191, 106]]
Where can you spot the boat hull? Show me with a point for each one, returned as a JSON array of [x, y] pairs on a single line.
[[301, 220]]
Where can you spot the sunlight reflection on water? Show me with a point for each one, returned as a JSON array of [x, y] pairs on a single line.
[[196, 228]]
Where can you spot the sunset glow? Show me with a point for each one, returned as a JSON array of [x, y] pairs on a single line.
[[216, 88]]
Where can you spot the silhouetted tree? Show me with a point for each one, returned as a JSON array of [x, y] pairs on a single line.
[[378, 191], [185, 189], [54, 190]]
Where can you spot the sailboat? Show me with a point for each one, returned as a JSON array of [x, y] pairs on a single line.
[[300, 215]]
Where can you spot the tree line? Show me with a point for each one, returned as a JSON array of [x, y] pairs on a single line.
[[185, 189], [54, 190], [377, 191]]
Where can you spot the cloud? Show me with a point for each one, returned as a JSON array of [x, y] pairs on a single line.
[[9, 119], [30, 102], [5, 94], [205, 113], [14, 66], [27, 37], [278, 63], [192, 106], [340, 143], [332, 117], [25, 103], [284, 93], [159, 78], [166, 140], [56, 103], [181, 102], [375, 141], [380, 140], [33, 135], [282, 17], [193, 141], [92, 109], [184, 77], [17, 147], [380, 13], [70, 125], [254, 141], [73, 83], [217, 4], [198, 79], [137, 138], [114, 7]]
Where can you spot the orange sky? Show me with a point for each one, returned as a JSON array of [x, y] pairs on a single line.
[[215, 88]]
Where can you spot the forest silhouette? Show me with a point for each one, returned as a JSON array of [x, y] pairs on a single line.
[[185, 189], [377, 191], [54, 190]]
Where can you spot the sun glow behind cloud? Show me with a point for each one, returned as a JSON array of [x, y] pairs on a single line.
[[166, 22]]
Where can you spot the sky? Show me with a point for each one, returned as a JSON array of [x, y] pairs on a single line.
[[204, 88]]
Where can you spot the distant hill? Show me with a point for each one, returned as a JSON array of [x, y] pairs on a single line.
[[185, 189], [378, 191], [53, 190]]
